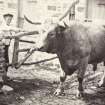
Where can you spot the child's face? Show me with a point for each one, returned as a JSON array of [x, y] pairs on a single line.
[[8, 19]]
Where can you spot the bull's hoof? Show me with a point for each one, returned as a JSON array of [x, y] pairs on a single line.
[[101, 83], [79, 94], [59, 92]]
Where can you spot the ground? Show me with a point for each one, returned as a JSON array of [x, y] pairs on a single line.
[[34, 85]]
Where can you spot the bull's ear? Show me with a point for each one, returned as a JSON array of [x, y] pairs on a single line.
[[59, 29], [65, 25]]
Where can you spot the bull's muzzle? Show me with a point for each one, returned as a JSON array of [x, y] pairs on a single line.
[[42, 49]]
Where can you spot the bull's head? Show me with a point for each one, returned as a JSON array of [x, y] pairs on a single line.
[[48, 42]]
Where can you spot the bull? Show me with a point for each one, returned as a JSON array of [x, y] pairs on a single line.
[[76, 47]]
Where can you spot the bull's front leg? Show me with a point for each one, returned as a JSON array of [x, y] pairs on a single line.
[[80, 75], [102, 81], [94, 66], [60, 88]]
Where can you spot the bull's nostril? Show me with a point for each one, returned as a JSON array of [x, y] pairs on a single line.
[[41, 49], [38, 49]]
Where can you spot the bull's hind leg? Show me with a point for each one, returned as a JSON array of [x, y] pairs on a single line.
[[81, 72], [94, 66], [60, 88], [102, 81]]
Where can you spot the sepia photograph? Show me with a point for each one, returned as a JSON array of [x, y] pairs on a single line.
[[52, 52]]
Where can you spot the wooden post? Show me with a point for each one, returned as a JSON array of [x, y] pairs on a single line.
[[86, 12], [15, 52], [20, 21], [20, 16]]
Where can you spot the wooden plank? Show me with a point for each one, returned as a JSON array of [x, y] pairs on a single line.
[[27, 41], [23, 50], [21, 34], [29, 53], [45, 60], [36, 62]]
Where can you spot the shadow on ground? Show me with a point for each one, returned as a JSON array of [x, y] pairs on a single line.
[[95, 97], [40, 92], [23, 88]]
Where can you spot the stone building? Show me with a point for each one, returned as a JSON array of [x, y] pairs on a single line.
[[41, 10]]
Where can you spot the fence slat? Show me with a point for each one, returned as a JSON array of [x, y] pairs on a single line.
[[45, 60], [27, 41], [23, 50], [36, 62], [29, 53]]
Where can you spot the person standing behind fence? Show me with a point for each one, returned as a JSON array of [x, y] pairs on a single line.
[[5, 31], [4, 46], [7, 21], [8, 18], [8, 30]]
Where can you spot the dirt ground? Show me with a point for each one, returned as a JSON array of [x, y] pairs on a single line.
[[34, 85]]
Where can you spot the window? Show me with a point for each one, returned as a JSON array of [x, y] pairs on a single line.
[[1, 5], [1, 2], [53, 8], [32, 1]]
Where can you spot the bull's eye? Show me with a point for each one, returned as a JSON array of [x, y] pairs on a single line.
[[52, 35]]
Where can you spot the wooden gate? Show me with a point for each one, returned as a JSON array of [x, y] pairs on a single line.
[[15, 60], [16, 49]]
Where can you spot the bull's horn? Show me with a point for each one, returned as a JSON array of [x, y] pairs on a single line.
[[65, 24], [31, 22]]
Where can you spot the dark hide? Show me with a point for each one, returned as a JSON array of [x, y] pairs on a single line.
[[76, 46]]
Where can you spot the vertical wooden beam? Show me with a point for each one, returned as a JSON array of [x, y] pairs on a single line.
[[15, 52], [20, 21], [87, 10]]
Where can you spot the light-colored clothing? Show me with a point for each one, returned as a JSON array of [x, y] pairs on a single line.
[[4, 32]]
